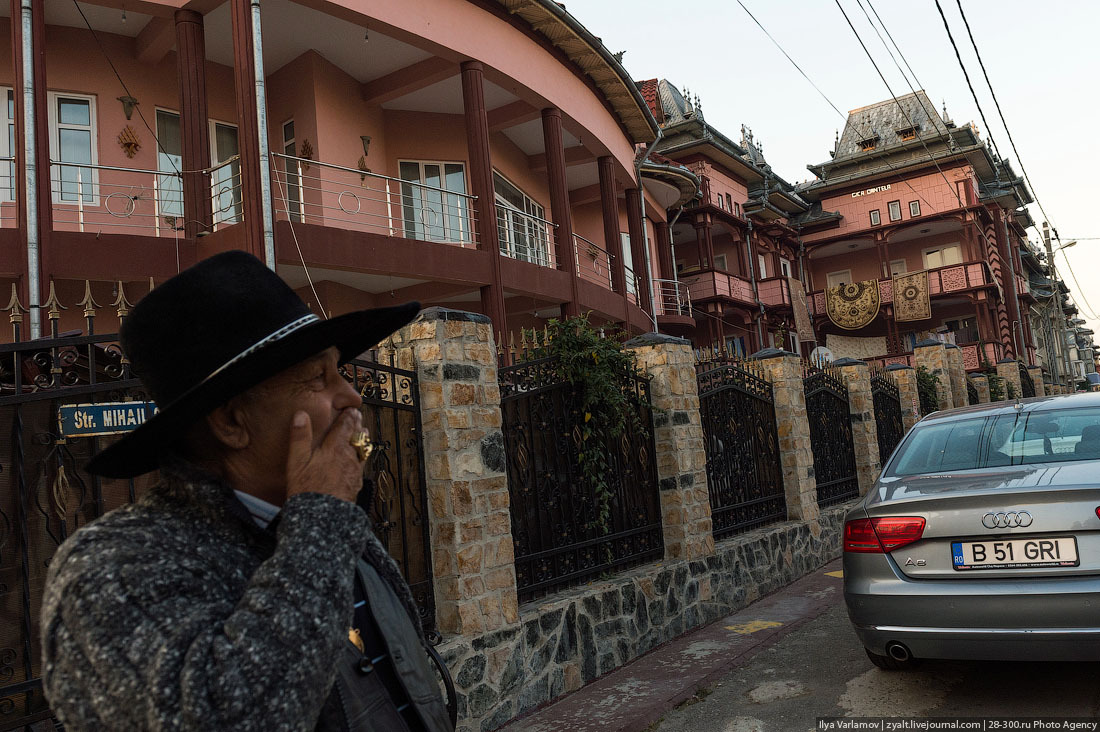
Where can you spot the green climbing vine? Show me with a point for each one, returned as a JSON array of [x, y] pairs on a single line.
[[996, 383], [926, 390], [599, 371]]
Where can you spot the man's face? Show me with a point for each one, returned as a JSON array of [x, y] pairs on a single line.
[[313, 386]]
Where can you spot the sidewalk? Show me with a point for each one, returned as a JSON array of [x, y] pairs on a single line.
[[635, 696]]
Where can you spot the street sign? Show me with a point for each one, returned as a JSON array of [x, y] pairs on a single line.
[[107, 418]]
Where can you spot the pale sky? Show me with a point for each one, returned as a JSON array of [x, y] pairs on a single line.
[[1044, 68]]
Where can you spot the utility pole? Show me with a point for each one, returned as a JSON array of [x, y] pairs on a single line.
[[1060, 328]]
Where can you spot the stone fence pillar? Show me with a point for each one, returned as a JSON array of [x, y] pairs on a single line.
[[981, 384], [784, 371], [1036, 374], [861, 407], [1009, 371], [932, 355], [1048, 387], [957, 371], [681, 450], [473, 563], [906, 378]]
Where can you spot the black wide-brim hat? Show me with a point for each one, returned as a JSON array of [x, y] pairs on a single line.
[[214, 331]]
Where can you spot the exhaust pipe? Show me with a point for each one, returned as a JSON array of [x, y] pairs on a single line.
[[898, 652]]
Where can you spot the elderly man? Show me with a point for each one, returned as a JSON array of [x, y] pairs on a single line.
[[246, 590]]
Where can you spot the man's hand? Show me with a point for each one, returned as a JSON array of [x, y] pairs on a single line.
[[333, 467]]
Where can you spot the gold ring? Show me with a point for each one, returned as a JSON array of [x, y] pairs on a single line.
[[362, 445]]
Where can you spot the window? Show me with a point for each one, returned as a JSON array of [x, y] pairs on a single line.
[[785, 266], [432, 211], [897, 267], [7, 150], [869, 144], [720, 262], [225, 178], [72, 140], [909, 133], [169, 164], [736, 208], [1023, 438], [520, 226], [836, 279], [876, 218], [942, 256], [965, 329], [895, 210], [290, 180], [762, 274], [914, 208], [729, 203], [628, 263]]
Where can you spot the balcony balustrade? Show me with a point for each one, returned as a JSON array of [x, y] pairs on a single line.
[[712, 284], [775, 292], [673, 298], [526, 237], [111, 199], [593, 262], [941, 281], [313, 192]]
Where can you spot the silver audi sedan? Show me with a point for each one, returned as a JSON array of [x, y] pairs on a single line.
[[981, 538]]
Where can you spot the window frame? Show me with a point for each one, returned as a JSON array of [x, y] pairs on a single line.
[[890, 210], [914, 209], [235, 214], [466, 234], [293, 207], [904, 267], [7, 141], [785, 267], [55, 126], [829, 277], [925, 252], [157, 111], [528, 200], [761, 267], [876, 217]]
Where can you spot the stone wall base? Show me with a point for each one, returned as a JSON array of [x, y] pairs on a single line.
[[570, 638]]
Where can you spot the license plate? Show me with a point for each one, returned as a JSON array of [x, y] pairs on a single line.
[[1060, 551]]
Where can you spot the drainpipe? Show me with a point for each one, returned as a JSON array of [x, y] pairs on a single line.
[[267, 223], [34, 292], [638, 162], [672, 242], [755, 289]]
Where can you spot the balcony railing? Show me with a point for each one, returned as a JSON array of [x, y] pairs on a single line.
[[673, 298], [526, 237], [332, 195], [941, 281], [593, 262], [111, 199], [225, 193], [708, 285], [775, 291]]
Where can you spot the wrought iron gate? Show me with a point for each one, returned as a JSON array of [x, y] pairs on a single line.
[[971, 392], [1027, 386], [830, 436], [45, 494], [888, 422], [557, 540], [743, 470], [399, 505]]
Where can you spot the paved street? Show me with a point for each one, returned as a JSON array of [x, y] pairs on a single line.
[[792, 657]]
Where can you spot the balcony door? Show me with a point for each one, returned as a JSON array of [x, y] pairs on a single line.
[[520, 223], [433, 203], [225, 178], [169, 164]]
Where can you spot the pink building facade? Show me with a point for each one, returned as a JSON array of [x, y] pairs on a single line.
[[487, 156]]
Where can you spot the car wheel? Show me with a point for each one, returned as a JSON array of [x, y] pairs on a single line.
[[887, 663]]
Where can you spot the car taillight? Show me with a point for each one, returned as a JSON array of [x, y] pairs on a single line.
[[882, 535]]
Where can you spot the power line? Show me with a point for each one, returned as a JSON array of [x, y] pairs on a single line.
[[962, 66], [999, 112]]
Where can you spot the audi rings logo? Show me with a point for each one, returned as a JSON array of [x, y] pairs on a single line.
[[1008, 520]]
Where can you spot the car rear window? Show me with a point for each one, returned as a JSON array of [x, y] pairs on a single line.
[[1020, 438]]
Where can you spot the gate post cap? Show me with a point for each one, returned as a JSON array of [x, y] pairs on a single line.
[[898, 367], [438, 313], [770, 353], [655, 339], [951, 345], [848, 362], [1006, 360], [927, 342]]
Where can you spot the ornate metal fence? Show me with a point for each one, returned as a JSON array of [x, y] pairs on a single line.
[[45, 494], [1027, 386], [398, 506], [743, 470], [887, 400], [971, 392], [830, 436], [557, 540]]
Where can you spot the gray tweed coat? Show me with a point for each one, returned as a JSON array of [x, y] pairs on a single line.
[[178, 613]]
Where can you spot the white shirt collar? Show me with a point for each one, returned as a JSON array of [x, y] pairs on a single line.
[[262, 512]]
